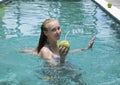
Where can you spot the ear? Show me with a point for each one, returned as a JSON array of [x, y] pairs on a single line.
[[46, 33]]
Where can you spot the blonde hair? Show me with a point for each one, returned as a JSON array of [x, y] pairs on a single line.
[[43, 37], [46, 22]]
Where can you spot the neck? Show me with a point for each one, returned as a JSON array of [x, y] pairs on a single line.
[[52, 43], [53, 47]]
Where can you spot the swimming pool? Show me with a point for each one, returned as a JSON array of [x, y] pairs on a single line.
[[20, 23]]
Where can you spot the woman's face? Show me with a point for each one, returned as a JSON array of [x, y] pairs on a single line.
[[53, 31]]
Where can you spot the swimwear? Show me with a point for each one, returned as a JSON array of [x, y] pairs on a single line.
[[55, 57]]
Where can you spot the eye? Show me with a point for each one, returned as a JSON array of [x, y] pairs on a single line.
[[58, 28], [53, 30]]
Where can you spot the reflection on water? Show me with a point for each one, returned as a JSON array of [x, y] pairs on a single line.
[[25, 20], [20, 23], [2, 13]]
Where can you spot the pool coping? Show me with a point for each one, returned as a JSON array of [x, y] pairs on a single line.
[[114, 11]]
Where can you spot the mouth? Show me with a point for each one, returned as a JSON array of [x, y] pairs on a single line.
[[58, 36]]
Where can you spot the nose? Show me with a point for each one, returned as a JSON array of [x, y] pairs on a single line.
[[58, 31]]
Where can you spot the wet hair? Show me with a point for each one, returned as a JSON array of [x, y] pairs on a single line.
[[43, 37]]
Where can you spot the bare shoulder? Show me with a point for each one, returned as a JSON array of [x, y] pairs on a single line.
[[45, 52]]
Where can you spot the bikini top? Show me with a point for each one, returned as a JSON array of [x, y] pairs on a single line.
[[55, 57]]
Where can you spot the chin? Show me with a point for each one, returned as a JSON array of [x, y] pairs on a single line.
[[58, 38]]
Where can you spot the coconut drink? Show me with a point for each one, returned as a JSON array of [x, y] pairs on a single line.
[[109, 4], [64, 43]]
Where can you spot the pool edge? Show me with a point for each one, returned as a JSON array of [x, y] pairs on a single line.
[[113, 11]]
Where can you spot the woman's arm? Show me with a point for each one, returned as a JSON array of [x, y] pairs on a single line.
[[28, 50], [90, 44]]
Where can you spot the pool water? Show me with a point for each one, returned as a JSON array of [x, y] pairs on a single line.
[[20, 23]]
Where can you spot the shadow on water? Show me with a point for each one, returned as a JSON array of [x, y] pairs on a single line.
[[116, 29]]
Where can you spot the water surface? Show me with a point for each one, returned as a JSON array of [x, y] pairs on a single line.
[[20, 23]]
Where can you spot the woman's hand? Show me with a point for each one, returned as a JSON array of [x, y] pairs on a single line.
[[90, 44], [63, 51]]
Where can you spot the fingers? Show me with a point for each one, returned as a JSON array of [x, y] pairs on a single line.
[[90, 44], [93, 38], [63, 51]]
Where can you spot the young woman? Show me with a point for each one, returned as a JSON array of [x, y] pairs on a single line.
[[48, 48]]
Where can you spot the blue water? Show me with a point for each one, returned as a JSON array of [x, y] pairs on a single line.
[[20, 23]]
